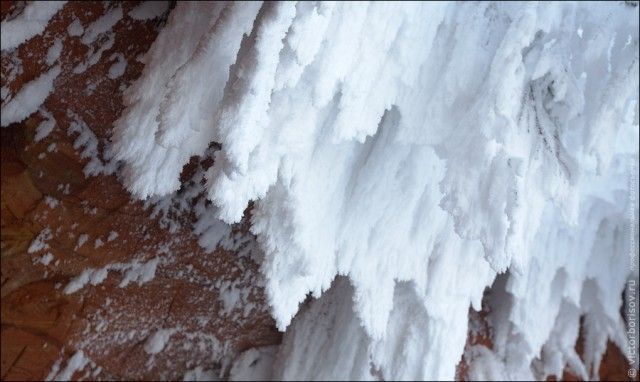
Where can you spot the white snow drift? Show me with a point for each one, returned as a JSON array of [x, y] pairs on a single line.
[[418, 149]]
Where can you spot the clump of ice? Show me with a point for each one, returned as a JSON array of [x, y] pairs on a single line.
[[417, 149]]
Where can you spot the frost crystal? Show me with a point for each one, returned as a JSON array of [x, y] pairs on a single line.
[[419, 150]]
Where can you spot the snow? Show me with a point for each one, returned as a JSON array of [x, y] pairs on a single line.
[[45, 127], [75, 28], [158, 341], [99, 36], [40, 241], [140, 273], [51, 202], [29, 98], [134, 271], [118, 68], [200, 374], [254, 365], [163, 60], [485, 366], [403, 158], [149, 10], [81, 240], [89, 143], [53, 53], [46, 259], [13, 65], [31, 22], [76, 363], [101, 25], [230, 296]]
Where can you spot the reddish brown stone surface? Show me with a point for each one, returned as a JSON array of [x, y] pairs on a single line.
[[40, 323]]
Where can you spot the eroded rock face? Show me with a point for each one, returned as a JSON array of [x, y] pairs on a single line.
[[92, 223]]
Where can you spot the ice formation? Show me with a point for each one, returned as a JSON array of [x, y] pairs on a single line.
[[423, 152], [29, 23]]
